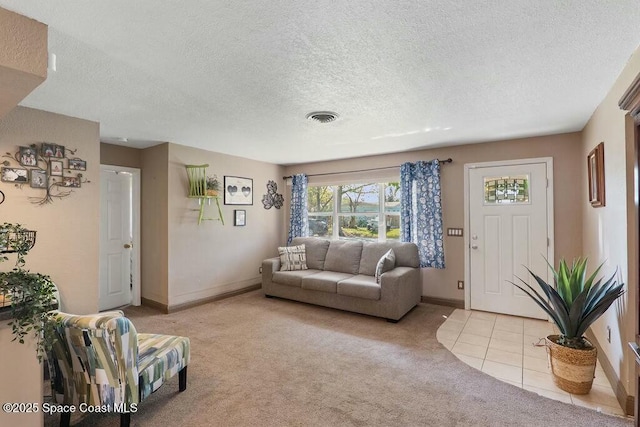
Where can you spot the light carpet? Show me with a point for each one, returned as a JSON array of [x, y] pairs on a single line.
[[271, 362]]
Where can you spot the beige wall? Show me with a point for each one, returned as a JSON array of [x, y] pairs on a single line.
[[211, 259], [67, 244], [23, 61], [154, 224], [67, 240], [608, 231], [118, 155], [565, 150]]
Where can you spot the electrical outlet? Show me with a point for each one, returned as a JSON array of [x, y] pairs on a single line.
[[460, 284], [609, 334], [260, 270]]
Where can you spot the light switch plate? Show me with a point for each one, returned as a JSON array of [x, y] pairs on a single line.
[[456, 232]]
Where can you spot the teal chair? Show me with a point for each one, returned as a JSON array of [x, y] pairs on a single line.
[[100, 360]]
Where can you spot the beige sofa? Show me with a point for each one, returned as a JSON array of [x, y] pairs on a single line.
[[341, 273]]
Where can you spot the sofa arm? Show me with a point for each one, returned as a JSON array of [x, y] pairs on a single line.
[[398, 276], [269, 266], [401, 288]]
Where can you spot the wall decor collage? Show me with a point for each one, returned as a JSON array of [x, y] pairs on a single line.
[[239, 191], [50, 167]]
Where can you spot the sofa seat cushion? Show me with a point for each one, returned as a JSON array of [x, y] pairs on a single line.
[[360, 286], [325, 281], [292, 278]]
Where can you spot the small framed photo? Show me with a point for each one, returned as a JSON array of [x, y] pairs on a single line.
[[28, 156], [57, 167], [595, 172], [58, 151], [38, 178], [15, 175], [238, 191], [77, 164], [71, 181], [239, 217], [47, 150]]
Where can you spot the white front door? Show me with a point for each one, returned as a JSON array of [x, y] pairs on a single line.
[[116, 239], [508, 230]]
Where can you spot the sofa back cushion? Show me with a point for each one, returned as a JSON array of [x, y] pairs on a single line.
[[406, 255], [316, 250], [344, 256]]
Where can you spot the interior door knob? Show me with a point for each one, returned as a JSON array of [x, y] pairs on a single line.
[[474, 246], [127, 246]]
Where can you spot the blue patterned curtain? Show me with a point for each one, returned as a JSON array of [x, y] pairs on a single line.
[[299, 226], [421, 210]]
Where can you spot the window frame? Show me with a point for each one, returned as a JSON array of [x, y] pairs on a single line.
[[336, 215]]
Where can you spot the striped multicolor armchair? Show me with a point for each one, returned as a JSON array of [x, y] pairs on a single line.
[[100, 360]]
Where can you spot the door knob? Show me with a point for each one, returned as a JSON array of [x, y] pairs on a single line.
[[474, 246], [127, 246]]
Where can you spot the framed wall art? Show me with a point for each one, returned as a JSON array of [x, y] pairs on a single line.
[[595, 172], [15, 175], [38, 178], [238, 191], [28, 156], [57, 167], [77, 164], [239, 217], [71, 181], [48, 149]]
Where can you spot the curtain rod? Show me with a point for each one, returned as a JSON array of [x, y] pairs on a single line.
[[449, 160]]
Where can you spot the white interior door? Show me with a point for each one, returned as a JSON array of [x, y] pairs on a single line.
[[508, 230], [116, 239]]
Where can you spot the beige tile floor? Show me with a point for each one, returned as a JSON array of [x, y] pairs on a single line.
[[505, 348]]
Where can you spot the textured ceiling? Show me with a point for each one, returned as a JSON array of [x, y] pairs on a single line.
[[239, 77]]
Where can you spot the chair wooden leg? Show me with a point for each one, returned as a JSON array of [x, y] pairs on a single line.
[[125, 419], [182, 379], [65, 419]]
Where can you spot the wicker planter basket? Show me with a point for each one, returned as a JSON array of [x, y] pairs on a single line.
[[572, 369]]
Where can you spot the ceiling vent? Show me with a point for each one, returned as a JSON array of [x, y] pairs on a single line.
[[322, 116]]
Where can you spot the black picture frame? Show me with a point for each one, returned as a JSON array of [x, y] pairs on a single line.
[[238, 190], [239, 217]]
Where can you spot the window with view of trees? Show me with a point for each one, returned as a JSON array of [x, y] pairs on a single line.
[[354, 211]]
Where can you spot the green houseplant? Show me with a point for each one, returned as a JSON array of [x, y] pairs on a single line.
[[213, 185], [31, 295], [574, 303]]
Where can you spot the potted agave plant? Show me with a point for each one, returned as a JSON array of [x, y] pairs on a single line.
[[574, 303]]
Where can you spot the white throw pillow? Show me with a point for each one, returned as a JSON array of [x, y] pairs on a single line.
[[293, 258], [386, 263]]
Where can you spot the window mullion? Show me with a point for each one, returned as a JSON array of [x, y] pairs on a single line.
[[336, 220]]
